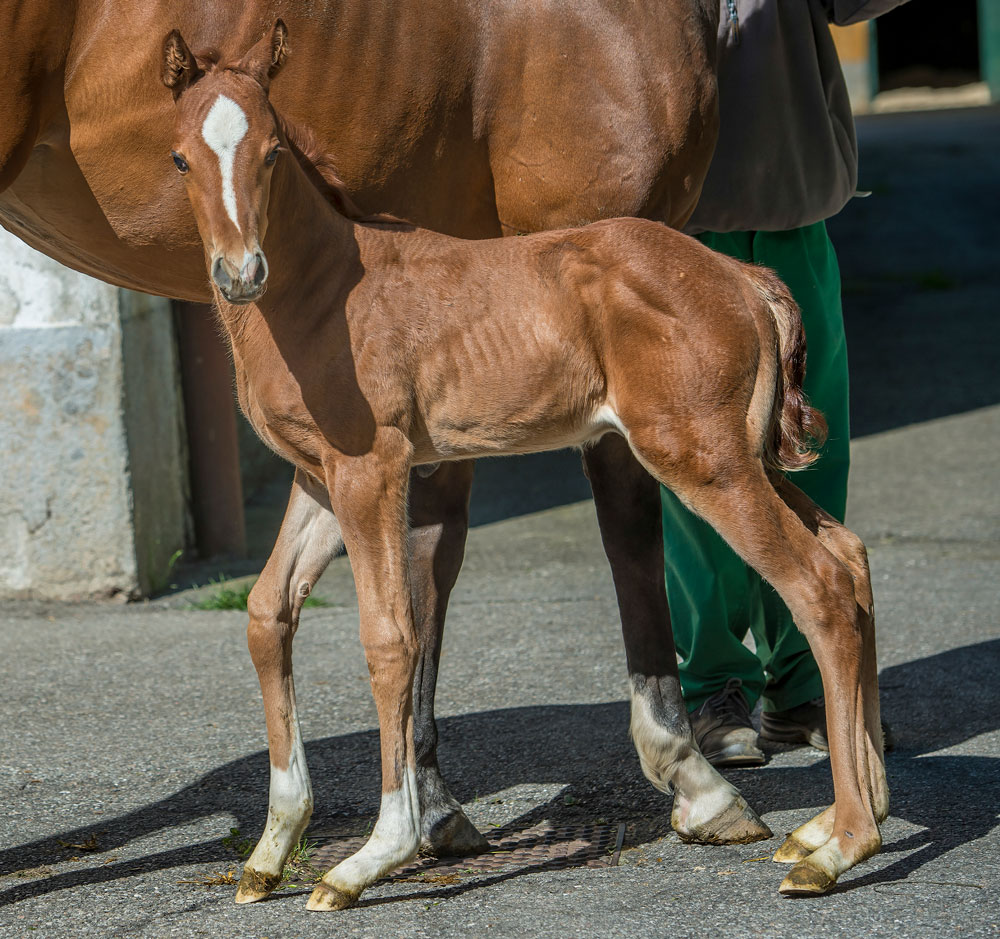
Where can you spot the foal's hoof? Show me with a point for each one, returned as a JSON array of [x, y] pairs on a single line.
[[255, 885], [791, 851], [325, 898], [805, 880], [454, 836], [736, 824]]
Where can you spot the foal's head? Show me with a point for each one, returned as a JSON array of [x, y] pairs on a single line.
[[226, 144]]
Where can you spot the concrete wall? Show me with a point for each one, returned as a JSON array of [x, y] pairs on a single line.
[[92, 463]]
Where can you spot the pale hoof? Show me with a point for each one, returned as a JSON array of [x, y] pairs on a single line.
[[454, 836], [804, 880], [255, 886], [791, 851], [737, 824], [325, 898]]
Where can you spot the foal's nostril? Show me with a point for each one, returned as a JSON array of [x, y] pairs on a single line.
[[221, 275], [260, 269]]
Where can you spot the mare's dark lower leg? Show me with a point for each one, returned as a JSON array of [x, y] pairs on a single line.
[[439, 522], [627, 498]]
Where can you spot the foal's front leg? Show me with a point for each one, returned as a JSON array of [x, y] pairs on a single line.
[[309, 537], [368, 494]]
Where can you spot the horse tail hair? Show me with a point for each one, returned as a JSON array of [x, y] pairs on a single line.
[[797, 430]]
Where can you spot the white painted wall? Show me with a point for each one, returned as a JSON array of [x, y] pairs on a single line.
[[92, 462]]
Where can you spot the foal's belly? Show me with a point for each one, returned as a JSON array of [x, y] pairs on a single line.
[[541, 396]]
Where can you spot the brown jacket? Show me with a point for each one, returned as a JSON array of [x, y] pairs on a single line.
[[786, 155]]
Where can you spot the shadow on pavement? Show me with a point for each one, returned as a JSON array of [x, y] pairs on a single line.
[[933, 703]]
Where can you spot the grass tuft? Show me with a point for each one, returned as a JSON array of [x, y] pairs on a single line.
[[237, 843], [299, 869]]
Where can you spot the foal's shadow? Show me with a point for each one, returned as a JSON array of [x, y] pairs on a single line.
[[933, 704]]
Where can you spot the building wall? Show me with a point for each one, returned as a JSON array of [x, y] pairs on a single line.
[[854, 49], [92, 461]]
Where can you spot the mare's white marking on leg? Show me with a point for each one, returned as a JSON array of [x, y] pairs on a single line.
[[289, 806], [394, 841], [224, 127], [670, 760]]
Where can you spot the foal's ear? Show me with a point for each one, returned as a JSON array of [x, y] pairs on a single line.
[[179, 66], [265, 59]]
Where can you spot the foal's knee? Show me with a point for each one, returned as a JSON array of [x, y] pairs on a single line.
[[270, 629]]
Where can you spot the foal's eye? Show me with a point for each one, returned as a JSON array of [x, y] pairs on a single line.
[[179, 162], [272, 156]]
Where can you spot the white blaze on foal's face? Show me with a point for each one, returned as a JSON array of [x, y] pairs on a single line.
[[224, 127], [227, 144]]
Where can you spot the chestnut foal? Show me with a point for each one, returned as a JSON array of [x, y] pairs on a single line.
[[379, 346]]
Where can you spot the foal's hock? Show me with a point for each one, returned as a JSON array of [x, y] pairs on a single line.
[[364, 348]]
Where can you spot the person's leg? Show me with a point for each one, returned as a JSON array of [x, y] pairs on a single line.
[[713, 598], [805, 260]]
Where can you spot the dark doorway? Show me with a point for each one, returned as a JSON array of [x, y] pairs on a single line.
[[925, 42]]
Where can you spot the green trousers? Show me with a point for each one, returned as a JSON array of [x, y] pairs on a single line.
[[714, 597]]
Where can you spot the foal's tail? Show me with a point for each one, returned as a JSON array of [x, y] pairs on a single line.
[[797, 430]]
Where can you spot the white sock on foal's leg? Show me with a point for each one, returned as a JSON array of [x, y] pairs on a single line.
[[289, 807], [393, 841]]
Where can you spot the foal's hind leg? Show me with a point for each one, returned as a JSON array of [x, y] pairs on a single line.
[[439, 522], [309, 537], [706, 807], [846, 546], [729, 488]]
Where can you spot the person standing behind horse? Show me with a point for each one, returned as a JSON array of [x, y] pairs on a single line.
[[786, 160]]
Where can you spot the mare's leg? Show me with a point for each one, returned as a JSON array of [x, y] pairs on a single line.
[[309, 537], [729, 488], [368, 494], [846, 546], [706, 807], [439, 522]]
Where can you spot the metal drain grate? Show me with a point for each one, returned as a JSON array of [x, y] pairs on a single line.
[[542, 847]]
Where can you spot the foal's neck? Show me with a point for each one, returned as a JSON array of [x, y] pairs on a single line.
[[312, 257], [312, 245]]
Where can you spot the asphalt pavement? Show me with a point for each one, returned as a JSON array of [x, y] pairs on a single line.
[[134, 738]]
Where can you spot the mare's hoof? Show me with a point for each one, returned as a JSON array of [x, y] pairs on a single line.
[[325, 898], [255, 885], [736, 824], [804, 880], [454, 836], [791, 851]]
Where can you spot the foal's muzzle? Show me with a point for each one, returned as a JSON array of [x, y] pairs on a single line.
[[243, 285]]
